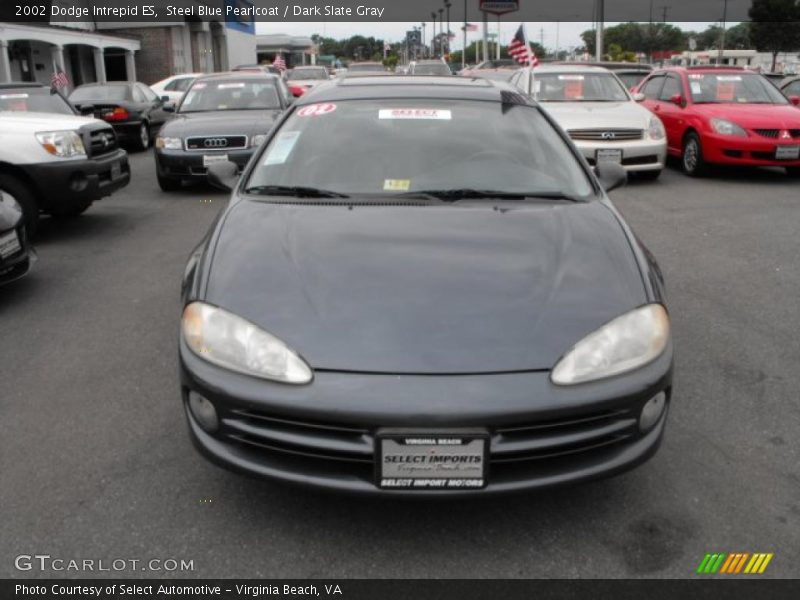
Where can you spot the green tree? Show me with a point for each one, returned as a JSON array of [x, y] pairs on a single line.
[[774, 26]]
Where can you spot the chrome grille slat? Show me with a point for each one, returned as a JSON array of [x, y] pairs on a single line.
[[606, 134]]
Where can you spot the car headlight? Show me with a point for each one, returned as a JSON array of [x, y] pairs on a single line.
[[626, 343], [231, 342], [61, 143], [655, 129], [724, 127], [258, 140], [168, 143]]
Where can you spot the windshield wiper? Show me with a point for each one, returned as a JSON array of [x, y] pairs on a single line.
[[453, 195], [298, 191]]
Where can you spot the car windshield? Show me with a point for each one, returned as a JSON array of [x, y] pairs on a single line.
[[631, 79], [34, 100], [366, 67], [578, 87], [296, 74], [431, 69], [733, 88], [399, 147], [230, 94], [99, 93]]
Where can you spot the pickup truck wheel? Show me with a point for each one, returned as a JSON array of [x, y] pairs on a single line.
[[143, 139], [22, 193], [71, 211]]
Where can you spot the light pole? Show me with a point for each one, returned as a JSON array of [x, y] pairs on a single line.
[[433, 35], [464, 51], [447, 6], [722, 34], [423, 39], [441, 24]]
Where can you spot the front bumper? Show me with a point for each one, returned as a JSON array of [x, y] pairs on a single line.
[[17, 265], [752, 150], [61, 183], [182, 164], [323, 434], [637, 155]]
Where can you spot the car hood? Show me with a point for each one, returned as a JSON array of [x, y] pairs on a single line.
[[41, 121], [233, 122], [425, 289], [758, 116], [593, 115]]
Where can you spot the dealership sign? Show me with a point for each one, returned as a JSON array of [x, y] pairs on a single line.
[[499, 7]]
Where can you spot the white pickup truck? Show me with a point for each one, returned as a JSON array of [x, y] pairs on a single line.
[[56, 164]]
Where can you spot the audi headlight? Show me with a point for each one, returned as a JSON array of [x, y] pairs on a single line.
[[231, 342], [168, 143], [258, 140], [724, 127], [626, 343], [61, 143], [655, 129]]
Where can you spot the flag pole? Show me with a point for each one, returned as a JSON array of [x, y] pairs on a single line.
[[530, 58]]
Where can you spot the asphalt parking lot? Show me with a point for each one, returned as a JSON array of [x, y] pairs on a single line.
[[96, 463]]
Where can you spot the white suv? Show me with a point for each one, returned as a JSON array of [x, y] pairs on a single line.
[[55, 162]]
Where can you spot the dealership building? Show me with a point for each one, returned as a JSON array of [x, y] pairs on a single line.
[[97, 51]]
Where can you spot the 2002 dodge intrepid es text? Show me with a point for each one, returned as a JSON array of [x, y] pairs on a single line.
[[448, 304]]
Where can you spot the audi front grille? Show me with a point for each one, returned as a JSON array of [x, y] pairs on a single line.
[[208, 143]]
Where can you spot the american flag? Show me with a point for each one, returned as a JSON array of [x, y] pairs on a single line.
[[279, 63], [470, 27], [59, 80], [521, 51]]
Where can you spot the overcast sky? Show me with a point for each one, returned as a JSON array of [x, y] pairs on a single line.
[[565, 35]]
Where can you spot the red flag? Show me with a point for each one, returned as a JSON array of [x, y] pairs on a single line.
[[279, 63], [521, 51], [59, 80]]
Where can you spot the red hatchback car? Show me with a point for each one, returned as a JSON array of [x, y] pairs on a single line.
[[724, 115]]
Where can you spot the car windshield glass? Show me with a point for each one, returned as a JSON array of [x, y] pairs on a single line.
[[578, 87], [733, 88], [230, 94], [296, 74], [34, 100], [432, 69], [100, 93], [398, 147], [630, 80], [366, 67]]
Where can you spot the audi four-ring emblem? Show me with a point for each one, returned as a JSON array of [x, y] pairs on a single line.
[[215, 142]]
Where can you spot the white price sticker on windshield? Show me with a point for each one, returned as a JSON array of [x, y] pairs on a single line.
[[280, 151], [425, 114], [230, 86]]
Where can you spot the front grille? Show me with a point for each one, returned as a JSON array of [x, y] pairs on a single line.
[[349, 448], [606, 135], [774, 133], [207, 143], [102, 141]]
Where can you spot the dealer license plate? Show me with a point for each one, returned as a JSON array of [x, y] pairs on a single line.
[[426, 461], [787, 152], [9, 244], [210, 159], [116, 171], [608, 155]]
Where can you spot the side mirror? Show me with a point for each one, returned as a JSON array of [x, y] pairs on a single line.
[[86, 109], [795, 100], [677, 100], [223, 175], [169, 107], [610, 175], [638, 96], [165, 99]]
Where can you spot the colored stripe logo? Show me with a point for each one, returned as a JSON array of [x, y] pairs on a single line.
[[735, 563]]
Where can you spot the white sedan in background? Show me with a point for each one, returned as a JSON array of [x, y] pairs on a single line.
[[596, 110], [174, 87]]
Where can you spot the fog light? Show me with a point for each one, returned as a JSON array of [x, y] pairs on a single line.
[[652, 411], [204, 412]]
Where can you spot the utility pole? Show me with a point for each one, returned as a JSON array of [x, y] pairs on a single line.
[[485, 36], [447, 6], [664, 10], [423, 39], [498, 37], [433, 35], [464, 51], [598, 51], [722, 34], [441, 26]]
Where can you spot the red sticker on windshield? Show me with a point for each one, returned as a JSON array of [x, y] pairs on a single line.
[[314, 110]]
